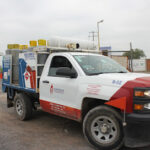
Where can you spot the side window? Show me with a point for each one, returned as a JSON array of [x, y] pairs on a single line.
[[58, 62]]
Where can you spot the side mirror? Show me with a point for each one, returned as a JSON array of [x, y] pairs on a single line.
[[67, 72]]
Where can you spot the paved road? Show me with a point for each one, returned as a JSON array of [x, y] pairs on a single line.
[[43, 132]]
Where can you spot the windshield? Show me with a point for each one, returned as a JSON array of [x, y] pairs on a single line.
[[95, 64]]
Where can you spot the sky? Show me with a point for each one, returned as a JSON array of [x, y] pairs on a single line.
[[125, 21]]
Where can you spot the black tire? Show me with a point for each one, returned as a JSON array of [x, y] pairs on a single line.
[[99, 124], [23, 106]]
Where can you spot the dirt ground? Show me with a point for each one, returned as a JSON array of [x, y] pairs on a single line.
[[43, 132]]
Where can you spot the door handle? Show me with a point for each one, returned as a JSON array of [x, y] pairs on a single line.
[[45, 81]]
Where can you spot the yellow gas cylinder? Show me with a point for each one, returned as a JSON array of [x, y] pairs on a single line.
[[21, 48], [10, 46], [42, 42], [24, 46], [16, 46], [33, 43]]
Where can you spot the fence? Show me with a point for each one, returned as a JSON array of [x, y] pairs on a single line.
[[139, 65]]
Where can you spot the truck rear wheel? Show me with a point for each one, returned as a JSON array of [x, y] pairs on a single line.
[[102, 127], [23, 106]]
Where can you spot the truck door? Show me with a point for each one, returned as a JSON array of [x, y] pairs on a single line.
[[58, 93]]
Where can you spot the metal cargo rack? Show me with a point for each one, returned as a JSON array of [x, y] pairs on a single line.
[[41, 58]]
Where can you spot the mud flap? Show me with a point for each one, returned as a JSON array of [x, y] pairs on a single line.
[[9, 103], [137, 135], [10, 97]]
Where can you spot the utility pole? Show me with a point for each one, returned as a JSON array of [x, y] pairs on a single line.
[[131, 57], [92, 35], [98, 35]]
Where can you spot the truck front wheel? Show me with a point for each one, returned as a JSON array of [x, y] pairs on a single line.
[[102, 127], [23, 106]]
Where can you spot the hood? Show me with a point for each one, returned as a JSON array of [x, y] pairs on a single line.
[[138, 79], [111, 86]]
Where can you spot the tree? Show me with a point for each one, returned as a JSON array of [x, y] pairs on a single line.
[[136, 54]]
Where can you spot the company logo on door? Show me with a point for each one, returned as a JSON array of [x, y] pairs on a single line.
[[56, 90], [51, 89]]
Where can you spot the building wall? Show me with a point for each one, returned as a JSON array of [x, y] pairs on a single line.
[[123, 60]]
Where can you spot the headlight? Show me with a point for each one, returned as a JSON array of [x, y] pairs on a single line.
[[147, 93], [142, 93], [141, 106], [147, 106]]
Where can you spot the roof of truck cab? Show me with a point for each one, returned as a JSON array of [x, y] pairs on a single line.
[[81, 53]]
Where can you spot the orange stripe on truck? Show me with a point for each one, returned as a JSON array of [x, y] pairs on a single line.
[[61, 110]]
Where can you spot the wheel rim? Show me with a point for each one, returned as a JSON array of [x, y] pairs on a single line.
[[104, 130], [19, 107]]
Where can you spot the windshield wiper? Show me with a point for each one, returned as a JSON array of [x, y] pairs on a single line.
[[121, 72], [105, 72], [95, 73]]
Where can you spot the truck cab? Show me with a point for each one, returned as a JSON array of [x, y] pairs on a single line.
[[70, 78]]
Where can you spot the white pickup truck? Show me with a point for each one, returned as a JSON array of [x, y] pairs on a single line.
[[89, 88]]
